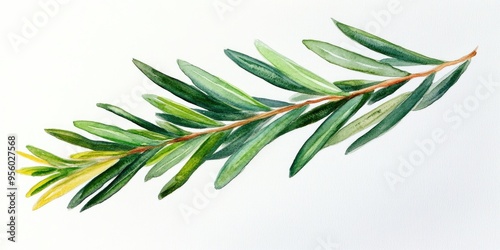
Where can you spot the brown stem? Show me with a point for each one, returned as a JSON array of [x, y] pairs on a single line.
[[383, 84]]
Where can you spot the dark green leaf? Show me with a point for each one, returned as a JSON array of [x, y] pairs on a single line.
[[45, 183], [353, 85], [36, 171], [206, 149], [137, 120], [395, 116], [181, 89], [114, 133], [78, 140], [266, 72], [220, 89], [172, 128], [325, 131], [385, 92], [272, 103], [121, 180], [237, 139], [439, 89], [383, 46], [237, 162], [97, 182], [351, 60]]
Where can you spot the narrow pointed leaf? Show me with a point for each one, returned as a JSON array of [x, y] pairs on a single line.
[[121, 180], [73, 180], [172, 128], [351, 60], [397, 63], [385, 92], [178, 110], [52, 159], [296, 72], [394, 117], [325, 131], [114, 133], [78, 140], [173, 155], [137, 120], [272, 103], [32, 158], [237, 139], [237, 162], [266, 72], [353, 85], [101, 179], [383, 46], [441, 87], [97, 155], [301, 97], [312, 116], [182, 90], [36, 171], [149, 134], [367, 120], [207, 148], [225, 116], [220, 89], [43, 184], [184, 122]]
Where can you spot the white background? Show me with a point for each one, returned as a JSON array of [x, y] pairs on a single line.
[[81, 54]]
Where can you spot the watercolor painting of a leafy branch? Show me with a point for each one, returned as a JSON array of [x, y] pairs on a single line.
[[228, 123]]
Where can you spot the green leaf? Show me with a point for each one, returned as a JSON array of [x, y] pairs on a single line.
[[172, 108], [353, 85], [55, 160], [396, 62], [78, 140], [385, 92], [181, 89], [237, 139], [137, 120], [121, 180], [394, 117], [98, 182], [228, 116], [98, 155], [383, 46], [36, 171], [207, 148], [220, 89], [172, 155], [183, 122], [172, 128], [441, 87], [298, 97], [312, 116], [237, 162], [267, 72], [350, 60], [296, 72], [43, 184], [326, 130], [114, 133], [366, 120], [149, 134], [272, 103]]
